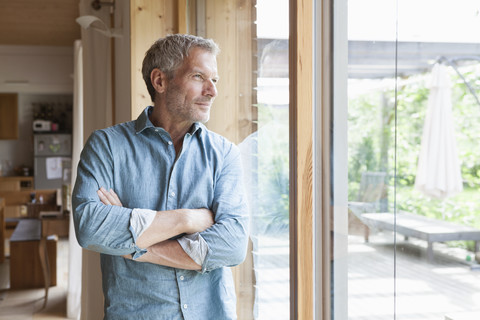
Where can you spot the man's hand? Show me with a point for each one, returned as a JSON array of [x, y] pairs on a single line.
[[109, 197]]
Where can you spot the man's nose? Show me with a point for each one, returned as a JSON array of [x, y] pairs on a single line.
[[210, 89]]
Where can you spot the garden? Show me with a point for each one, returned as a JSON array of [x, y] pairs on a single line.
[[385, 132]]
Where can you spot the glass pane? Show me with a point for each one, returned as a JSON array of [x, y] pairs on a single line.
[[270, 232], [371, 157], [267, 164], [438, 119], [413, 160]]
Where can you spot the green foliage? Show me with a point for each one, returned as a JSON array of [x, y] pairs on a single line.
[[379, 143]]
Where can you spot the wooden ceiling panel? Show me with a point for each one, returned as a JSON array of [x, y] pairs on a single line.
[[39, 22]]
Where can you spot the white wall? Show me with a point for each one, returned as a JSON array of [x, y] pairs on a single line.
[[37, 74], [36, 69]]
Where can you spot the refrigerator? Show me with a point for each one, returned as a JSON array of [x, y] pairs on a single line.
[[52, 160]]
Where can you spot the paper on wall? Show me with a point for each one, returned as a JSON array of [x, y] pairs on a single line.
[[54, 168]]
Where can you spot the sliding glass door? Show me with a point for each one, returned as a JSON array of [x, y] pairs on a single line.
[[413, 122]]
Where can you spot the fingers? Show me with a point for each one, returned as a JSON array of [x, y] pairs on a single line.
[[109, 197], [102, 194], [116, 200]]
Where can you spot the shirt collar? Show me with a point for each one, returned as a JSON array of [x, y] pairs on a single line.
[[143, 122]]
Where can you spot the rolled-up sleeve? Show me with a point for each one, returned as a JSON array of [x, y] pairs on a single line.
[[195, 246], [227, 239]]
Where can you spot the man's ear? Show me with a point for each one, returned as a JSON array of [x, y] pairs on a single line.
[[159, 80]]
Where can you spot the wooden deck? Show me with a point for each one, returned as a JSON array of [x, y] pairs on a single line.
[[383, 281], [448, 285]]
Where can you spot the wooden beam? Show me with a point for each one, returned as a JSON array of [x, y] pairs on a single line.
[[301, 160]]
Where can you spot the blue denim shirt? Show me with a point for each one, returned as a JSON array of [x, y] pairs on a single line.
[[138, 161]]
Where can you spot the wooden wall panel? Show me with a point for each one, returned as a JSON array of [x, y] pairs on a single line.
[[182, 16], [230, 24], [149, 20]]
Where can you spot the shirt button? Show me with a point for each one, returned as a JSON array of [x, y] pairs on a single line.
[[172, 194], [182, 278], [185, 306], [170, 143]]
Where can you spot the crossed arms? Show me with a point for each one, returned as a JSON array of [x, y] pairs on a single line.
[[107, 229], [165, 225]]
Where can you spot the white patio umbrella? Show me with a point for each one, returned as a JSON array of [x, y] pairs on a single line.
[[438, 172]]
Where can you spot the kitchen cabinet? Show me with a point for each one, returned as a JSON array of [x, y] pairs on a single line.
[[16, 183], [8, 116], [16, 192]]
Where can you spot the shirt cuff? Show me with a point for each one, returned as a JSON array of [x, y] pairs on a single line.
[[195, 246], [140, 220]]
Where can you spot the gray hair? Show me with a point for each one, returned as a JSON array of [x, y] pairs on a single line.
[[167, 54]]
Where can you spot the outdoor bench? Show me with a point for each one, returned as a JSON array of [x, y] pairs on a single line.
[[421, 227]]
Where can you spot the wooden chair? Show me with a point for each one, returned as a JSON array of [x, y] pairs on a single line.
[[33, 257]]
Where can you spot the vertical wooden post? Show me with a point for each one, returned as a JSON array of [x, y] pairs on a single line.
[[301, 160]]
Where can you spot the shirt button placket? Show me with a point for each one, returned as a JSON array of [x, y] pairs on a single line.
[[184, 300]]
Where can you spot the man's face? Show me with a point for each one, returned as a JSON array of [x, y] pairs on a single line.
[[191, 92]]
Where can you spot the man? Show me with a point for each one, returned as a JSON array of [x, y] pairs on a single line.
[[182, 220]]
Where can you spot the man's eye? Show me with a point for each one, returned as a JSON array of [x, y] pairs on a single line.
[[198, 76]]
